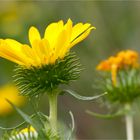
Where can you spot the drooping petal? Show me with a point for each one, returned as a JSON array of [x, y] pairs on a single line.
[[11, 50], [10, 58], [34, 35], [15, 45], [81, 37], [79, 29]]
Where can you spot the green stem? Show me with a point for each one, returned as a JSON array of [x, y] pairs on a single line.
[[129, 123], [53, 111]]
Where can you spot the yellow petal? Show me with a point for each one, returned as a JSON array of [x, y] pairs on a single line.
[[27, 50], [6, 56], [68, 28], [47, 50], [8, 51], [30, 129], [15, 45], [36, 49], [79, 29], [60, 25], [81, 37], [34, 35], [52, 32], [44, 47], [41, 51], [61, 45], [63, 39]]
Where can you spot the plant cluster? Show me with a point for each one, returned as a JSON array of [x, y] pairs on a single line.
[[47, 63]]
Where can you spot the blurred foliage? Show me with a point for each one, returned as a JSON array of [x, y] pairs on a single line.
[[117, 24]]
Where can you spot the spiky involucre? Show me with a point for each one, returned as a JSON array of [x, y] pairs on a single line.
[[127, 88], [37, 80]]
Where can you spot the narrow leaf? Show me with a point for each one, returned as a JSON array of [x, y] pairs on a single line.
[[72, 126], [77, 96], [105, 116], [28, 120]]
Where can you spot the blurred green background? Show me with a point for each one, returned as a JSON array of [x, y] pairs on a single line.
[[118, 28]]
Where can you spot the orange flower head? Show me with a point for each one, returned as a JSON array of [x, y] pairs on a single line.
[[107, 65], [130, 58], [123, 59], [104, 65]]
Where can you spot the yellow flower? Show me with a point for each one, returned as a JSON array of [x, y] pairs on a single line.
[[25, 133], [11, 93], [31, 129], [122, 60], [58, 39]]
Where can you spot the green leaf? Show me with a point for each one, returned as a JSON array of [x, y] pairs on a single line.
[[27, 118], [72, 126], [77, 96], [11, 128], [17, 126], [106, 116]]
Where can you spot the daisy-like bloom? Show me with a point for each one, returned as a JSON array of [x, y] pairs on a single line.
[[58, 39], [122, 60], [26, 133], [47, 63], [11, 93]]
